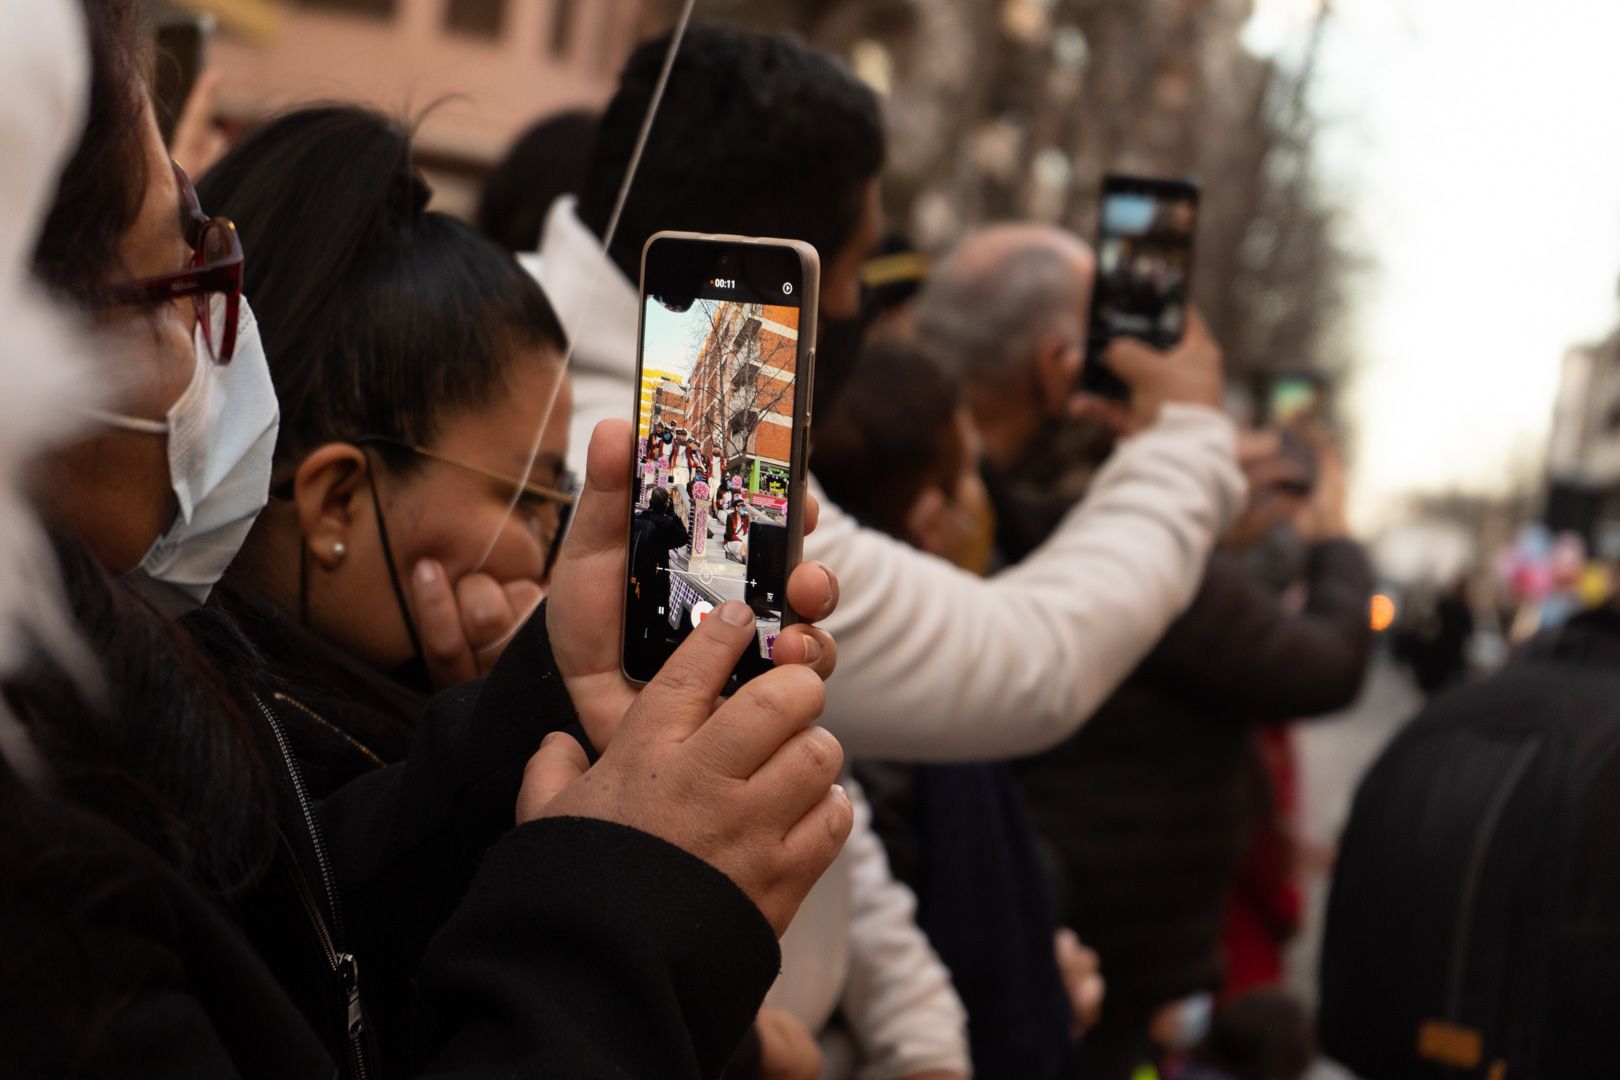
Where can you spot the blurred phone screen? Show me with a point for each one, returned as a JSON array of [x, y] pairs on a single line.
[[1144, 270]]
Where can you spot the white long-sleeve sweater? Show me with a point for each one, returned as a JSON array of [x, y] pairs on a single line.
[[854, 947], [935, 664]]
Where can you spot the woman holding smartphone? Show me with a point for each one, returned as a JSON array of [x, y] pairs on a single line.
[[175, 903]]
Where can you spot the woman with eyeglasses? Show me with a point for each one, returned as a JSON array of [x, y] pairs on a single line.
[[174, 899], [408, 531]]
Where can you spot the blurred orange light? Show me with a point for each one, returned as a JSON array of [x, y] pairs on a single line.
[[1382, 612]]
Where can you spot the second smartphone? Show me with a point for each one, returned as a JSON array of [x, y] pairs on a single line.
[[725, 370], [1144, 271]]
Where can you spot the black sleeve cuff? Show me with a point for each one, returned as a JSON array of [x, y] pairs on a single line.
[[592, 949]]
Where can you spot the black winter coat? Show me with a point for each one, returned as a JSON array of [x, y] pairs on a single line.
[[563, 947], [1149, 809]]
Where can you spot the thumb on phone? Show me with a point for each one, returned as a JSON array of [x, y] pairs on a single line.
[[585, 606]]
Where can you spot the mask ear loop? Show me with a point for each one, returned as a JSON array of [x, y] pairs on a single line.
[[388, 560], [303, 581], [588, 297]]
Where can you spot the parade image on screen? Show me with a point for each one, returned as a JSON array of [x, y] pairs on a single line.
[[714, 440], [1144, 264]]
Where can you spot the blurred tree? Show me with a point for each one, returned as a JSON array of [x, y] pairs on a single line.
[[1017, 108]]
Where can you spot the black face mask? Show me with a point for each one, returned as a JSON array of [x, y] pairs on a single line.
[[838, 350]]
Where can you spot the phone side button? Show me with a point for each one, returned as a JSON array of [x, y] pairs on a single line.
[[810, 384]]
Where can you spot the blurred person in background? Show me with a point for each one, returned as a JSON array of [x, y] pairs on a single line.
[[937, 664], [1474, 914], [146, 828], [542, 165], [1006, 309], [1263, 1035], [1149, 808], [890, 281], [1435, 642], [1149, 811], [900, 453]]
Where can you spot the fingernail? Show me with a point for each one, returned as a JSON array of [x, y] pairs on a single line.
[[551, 738], [427, 572], [832, 590], [736, 614], [812, 649], [843, 796]]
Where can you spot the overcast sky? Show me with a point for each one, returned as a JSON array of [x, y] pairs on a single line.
[[1476, 146]]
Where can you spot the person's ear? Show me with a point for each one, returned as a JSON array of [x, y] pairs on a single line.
[[1057, 371], [926, 523], [325, 489]]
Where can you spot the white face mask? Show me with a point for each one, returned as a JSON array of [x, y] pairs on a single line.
[[222, 438]]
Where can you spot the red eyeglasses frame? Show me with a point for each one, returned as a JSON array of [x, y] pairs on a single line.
[[202, 278]]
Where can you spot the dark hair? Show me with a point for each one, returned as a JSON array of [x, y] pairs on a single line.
[[104, 182], [757, 134], [379, 316], [658, 500], [165, 752], [1262, 1035], [891, 436], [546, 162]]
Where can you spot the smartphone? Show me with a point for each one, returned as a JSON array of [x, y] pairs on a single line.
[[1293, 400], [1292, 447], [1144, 271], [1295, 403], [181, 53], [725, 376]]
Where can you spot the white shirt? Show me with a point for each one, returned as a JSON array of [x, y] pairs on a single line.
[[935, 664], [855, 947]]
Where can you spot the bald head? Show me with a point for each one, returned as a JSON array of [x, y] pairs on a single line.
[[1005, 294]]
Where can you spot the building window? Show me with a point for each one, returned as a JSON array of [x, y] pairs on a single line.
[[476, 18], [562, 26], [382, 9]]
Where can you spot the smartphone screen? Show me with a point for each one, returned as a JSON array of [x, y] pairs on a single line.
[[1144, 271], [1293, 400], [726, 350]]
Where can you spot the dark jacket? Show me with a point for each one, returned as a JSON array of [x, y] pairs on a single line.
[[960, 838], [1149, 809], [480, 948], [344, 720], [343, 717]]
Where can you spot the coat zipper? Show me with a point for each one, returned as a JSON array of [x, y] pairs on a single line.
[[343, 964]]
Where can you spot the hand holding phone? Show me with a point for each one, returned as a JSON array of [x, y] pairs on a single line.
[[585, 606], [1144, 273], [1189, 374], [748, 785]]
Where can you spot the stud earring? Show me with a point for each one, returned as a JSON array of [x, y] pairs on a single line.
[[339, 549]]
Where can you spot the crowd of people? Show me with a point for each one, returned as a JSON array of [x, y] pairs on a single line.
[[316, 755]]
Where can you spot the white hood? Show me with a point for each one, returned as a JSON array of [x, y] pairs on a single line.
[[44, 382], [598, 307]]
